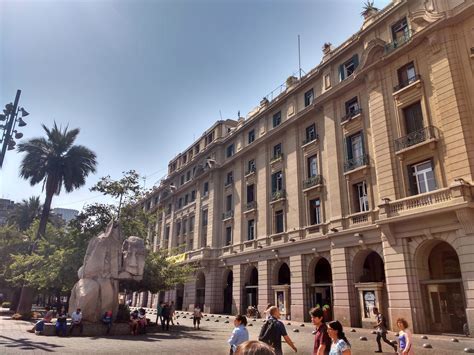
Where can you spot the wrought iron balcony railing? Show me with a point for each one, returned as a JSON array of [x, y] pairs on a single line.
[[310, 139], [312, 181], [279, 194], [355, 163], [351, 114], [397, 43], [415, 137], [276, 157], [250, 205], [407, 82], [228, 183], [228, 214], [251, 170]]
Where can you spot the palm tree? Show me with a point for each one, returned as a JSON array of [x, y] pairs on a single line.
[[55, 162], [25, 213]]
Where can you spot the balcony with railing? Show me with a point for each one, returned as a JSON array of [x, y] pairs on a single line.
[[426, 134], [310, 139], [229, 183], [276, 158], [251, 206], [350, 115], [312, 181], [351, 164], [251, 170], [404, 83], [278, 195], [228, 214], [397, 43]]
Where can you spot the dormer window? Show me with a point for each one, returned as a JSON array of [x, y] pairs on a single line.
[[400, 30], [348, 68]]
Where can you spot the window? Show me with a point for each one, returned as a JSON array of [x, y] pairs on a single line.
[[209, 138], [193, 195], [186, 199], [180, 202], [400, 30], [228, 203], [312, 166], [196, 149], [185, 222], [276, 119], [204, 218], [327, 81], [422, 177], [229, 178], [310, 133], [355, 147], [361, 199], [308, 97], [182, 179], [277, 181], [279, 221], [205, 190], [406, 76], [315, 211], [168, 211], [352, 107], [348, 68], [191, 223], [251, 136], [230, 151], [251, 229], [277, 150], [413, 118], [185, 158], [250, 193], [167, 232], [228, 235], [251, 166], [188, 175], [178, 228]]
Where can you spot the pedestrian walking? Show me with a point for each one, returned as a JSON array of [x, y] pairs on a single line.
[[273, 330], [165, 317], [240, 333], [159, 309], [322, 341], [197, 315], [381, 329], [340, 345], [405, 340], [172, 312]]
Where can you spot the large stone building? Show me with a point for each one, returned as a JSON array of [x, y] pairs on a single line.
[[352, 188]]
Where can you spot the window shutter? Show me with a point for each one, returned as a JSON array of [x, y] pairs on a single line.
[[355, 60], [412, 181], [341, 72]]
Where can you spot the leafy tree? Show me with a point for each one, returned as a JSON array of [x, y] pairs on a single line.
[[55, 162], [25, 213]]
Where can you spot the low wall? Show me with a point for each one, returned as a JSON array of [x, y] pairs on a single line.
[[95, 329]]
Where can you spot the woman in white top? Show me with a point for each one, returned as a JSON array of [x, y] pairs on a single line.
[[340, 345], [197, 315], [405, 340]]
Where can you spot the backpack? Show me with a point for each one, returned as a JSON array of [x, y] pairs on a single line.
[[269, 333]]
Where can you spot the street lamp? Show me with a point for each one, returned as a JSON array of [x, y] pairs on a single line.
[[10, 115]]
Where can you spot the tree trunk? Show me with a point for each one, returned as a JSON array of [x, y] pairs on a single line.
[[26, 300], [45, 213]]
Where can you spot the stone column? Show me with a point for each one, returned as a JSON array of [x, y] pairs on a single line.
[[237, 289], [297, 290], [265, 294], [343, 287]]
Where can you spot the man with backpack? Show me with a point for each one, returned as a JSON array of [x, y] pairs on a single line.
[[272, 331]]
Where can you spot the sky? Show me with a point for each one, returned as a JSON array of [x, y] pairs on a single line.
[[143, 79]]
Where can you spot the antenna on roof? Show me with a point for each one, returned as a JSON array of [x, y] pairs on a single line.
[[299, 57], [220, 113]]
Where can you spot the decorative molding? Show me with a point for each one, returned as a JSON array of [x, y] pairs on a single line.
[[387, 234], [466, 218]]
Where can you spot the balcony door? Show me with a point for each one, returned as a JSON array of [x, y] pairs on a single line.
[[413, 118]]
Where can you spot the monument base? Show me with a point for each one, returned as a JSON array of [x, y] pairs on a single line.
[[97, 329]]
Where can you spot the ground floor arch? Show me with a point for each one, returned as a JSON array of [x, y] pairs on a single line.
[[228, 299], [282, 289], [320, 287], [200, 290], [250, 290]]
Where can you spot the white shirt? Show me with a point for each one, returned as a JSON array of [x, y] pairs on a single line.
[[76, 317]]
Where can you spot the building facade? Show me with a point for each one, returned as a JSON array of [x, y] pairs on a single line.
[[350, 189]]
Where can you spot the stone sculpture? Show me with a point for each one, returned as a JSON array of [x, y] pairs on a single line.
[[107, 261]]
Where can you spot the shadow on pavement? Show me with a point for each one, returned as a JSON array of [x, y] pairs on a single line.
[[27, 344]]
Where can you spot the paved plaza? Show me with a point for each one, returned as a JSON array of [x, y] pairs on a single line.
[[183, 339]]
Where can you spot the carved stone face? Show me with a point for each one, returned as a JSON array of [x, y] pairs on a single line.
[[134, 256]]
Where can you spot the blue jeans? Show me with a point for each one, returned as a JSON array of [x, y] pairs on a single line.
[[61, 327]]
